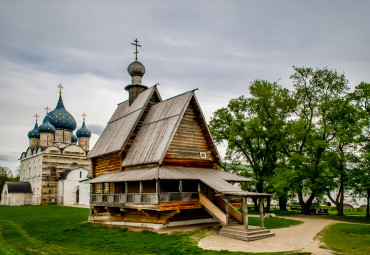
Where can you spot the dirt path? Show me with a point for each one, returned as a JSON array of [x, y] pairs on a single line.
[[297, 238]]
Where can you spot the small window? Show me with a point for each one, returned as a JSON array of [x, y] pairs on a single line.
[[80, 174]]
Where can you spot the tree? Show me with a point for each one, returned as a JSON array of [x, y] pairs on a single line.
[[254, 129], [311, 133], [342, 154], [360, 178], [5, 175]]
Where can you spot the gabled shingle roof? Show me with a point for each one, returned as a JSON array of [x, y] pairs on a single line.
[[122, 124], [157, 131]]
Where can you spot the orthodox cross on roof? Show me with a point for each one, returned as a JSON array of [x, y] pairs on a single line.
[[136, 45], [60, 87], [84, 116], [36, 116], [47, 110]]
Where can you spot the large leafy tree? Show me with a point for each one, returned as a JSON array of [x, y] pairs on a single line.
[[343, 152], [311, 132], [360, 177], [254, 130]]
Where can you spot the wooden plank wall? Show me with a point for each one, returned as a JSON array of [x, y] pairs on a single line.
[[188, 142], [108, 163]]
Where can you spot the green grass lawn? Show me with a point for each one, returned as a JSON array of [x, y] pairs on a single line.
[[344, 238], [63, 230], [274, 222]]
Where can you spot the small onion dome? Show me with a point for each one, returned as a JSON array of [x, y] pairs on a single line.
[[61, 118], [34, 133], [83, 131], [46, 126], [74, 138], [136, 69]]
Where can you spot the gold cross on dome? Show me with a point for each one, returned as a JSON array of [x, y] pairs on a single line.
[[84, 116], [60, 87], [36, 116], [47, 110], [136, 45]]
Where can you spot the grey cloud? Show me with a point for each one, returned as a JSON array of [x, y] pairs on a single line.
[[96, 129]]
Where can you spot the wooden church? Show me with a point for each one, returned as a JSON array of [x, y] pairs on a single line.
[[155, 165]]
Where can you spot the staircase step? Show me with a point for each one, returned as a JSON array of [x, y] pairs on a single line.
[[238, 227], [247, 238], [245, 233]]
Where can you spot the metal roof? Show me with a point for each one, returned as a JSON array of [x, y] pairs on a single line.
[[122, 124], [19, 187], [216, 179]]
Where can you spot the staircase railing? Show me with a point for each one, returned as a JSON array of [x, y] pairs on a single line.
[[221, 202], [212, 209]]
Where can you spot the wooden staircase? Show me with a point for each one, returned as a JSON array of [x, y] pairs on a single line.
[[234, 229], [240, 233]]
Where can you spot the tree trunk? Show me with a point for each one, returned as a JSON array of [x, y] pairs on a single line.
[[255, 202], [341, 200], [268, 204], [283, 203], [367, 205], [305, 206]]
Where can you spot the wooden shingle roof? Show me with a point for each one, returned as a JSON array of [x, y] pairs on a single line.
[[157, 131], [122, 124], [217, 179]]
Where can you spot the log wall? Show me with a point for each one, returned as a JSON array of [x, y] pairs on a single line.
[[189, 141], [106, 164]]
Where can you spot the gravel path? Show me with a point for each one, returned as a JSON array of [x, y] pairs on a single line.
[[297, 238]]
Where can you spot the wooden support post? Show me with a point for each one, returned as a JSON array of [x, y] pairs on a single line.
[[245, 212], [180, 189], [227, 209], [141, 192], [157, 190], [126, 191], [261, 213]]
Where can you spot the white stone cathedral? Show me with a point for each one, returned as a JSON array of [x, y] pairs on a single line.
[[55, 167]]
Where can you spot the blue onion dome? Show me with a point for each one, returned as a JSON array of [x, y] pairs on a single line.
[[74, 138], [46, 126], [83, 131], [34, 133], [61, 118]]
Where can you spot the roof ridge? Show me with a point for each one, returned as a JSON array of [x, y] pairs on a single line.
[[179, 95]]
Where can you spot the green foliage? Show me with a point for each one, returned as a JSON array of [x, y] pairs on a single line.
[[61, 230], [347, 238], [310, 141], [253, 129], [6, 175]]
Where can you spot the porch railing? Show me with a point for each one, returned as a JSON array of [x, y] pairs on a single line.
[[144, 198]]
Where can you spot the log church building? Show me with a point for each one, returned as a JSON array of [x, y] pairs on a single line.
[[155, 165]]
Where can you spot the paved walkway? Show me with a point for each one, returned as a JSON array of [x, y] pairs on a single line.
[[297, 238]]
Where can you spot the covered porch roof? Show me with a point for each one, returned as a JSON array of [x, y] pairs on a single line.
[[215, 179]]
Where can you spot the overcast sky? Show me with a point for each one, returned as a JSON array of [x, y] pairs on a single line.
[[219, 47]]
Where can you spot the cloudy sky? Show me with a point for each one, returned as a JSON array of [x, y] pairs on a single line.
[[219, 47]]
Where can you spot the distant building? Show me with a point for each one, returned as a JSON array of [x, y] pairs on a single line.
[[55, 165]]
